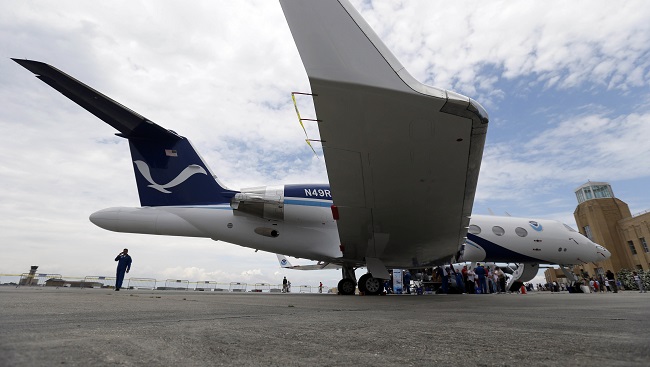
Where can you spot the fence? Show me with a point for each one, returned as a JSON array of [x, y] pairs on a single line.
[[142, 283], [237, 287], [9, 279], [176, 284], [206, 285], [99, 281]]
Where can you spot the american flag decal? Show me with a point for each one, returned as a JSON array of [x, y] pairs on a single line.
[[171, 153]]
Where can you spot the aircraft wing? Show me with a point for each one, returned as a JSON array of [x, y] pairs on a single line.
[[402, 158]]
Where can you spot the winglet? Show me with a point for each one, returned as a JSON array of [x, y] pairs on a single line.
[[129, 123]]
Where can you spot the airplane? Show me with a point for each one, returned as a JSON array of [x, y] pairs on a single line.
[[528, 243], [524, 242], [285, 264], [402, 158]]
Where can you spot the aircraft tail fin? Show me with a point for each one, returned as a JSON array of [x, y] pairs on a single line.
[[171, 172], [284, 262], [168, 169]]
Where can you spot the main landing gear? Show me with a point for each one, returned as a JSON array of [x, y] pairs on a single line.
[[348, 284], [368, 284]]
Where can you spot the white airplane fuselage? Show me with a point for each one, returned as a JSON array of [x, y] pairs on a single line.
[[303, 226]]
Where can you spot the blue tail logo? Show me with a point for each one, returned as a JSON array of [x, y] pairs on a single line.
[[182, 177]]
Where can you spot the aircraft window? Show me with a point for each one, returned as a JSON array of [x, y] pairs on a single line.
[[498, 231], [474, 229], [521, 232], [569, 228]]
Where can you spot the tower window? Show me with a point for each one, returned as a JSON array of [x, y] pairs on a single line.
[[587, 230], [601, 191], [632, 249], [644, 244]]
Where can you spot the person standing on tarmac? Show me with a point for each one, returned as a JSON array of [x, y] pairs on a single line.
[[639, 282], [480, 273], [284, 285], [407, 281], [471, 283], [123, 265], [612, 281], [501, 278]]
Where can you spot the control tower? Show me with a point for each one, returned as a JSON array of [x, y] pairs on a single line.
[[606, 220]]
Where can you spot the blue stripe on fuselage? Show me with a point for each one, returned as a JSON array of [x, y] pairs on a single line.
[[325, 204], [496, 253]]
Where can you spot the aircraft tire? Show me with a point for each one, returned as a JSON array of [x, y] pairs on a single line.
[[362, 283], [346, 287], [370, 285]]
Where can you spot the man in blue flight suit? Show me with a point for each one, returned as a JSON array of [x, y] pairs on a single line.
[[481, 273], [407, 281], [123, 265]]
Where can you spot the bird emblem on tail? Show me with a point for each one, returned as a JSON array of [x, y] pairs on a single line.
[[190, 170]]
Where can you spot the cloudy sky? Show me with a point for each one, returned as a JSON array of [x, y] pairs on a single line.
[[566, 85]]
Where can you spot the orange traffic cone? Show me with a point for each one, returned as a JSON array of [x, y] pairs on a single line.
[[523, 289]]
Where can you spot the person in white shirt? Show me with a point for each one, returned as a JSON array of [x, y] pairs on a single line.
[[471, 283], [639, 282]]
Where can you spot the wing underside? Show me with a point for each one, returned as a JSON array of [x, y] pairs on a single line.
[[402, 158]]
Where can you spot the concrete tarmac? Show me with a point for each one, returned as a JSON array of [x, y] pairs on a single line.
[[98, 327]]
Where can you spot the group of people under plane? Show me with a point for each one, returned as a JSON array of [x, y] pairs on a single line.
[[478, 280]]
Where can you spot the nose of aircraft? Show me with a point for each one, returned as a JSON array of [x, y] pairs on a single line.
[[602, 253]]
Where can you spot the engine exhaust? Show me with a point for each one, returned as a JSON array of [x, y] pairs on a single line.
[[268, 232]]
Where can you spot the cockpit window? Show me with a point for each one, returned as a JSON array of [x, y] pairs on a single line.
[[474, 229], [569, 228]]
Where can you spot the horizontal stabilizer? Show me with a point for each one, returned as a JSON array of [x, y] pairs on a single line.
[[284, 263], [129, 123]]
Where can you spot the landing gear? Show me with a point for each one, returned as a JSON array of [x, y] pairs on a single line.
[[347, 287], [348, 284], [524, 273], [370, 285]]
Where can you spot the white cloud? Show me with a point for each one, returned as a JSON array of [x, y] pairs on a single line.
[[579, 147], [448, 45]]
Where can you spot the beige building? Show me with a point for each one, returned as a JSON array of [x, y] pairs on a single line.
[[554, 275], [607, 220]]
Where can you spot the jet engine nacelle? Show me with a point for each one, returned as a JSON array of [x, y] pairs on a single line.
[[263, 202]]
